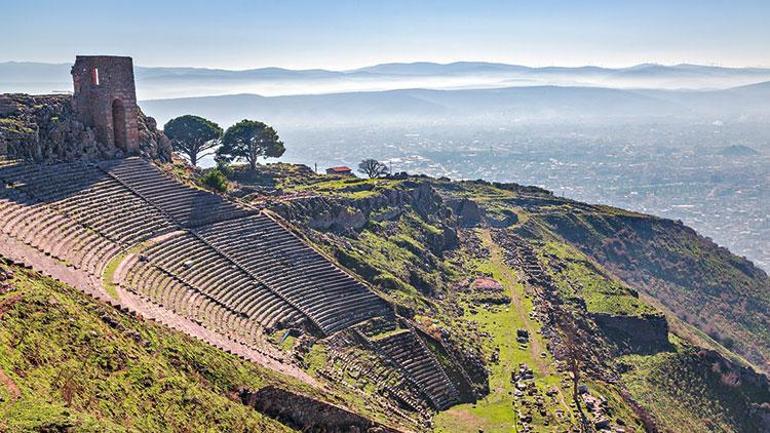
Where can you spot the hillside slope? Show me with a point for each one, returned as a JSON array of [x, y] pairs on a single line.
[[71, 364], [426, 243], [74, 365], [511, 309], [704, 284]]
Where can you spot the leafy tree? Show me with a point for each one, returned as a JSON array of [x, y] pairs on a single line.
[[193, 136], [248, 140], [215, 180], [373, 168]]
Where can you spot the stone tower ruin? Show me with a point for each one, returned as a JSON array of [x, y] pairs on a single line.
[[105, 99]]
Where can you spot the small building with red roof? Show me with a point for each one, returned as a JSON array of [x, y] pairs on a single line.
[[341, 170]]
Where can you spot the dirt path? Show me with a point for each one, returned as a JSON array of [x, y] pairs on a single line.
[[497, 257], [127, 301], [13, 390]]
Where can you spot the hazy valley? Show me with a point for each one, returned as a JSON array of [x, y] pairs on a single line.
[[140, 293]]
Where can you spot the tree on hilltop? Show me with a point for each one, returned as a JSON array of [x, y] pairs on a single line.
[[192, 136], [373, 168], [248, 140]]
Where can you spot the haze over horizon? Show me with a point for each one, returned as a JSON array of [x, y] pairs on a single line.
[[572, 97], [341, 36]]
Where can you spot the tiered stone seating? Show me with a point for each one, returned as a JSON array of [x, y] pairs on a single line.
[[350, 359], [86, 194], [406, 350], [48, 183], [184, 262], [189, 207], [27, 219], [117, 213], [272, 254], [376, 326], [225, 266]]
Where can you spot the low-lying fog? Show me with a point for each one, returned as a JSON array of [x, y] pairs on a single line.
[[157, 83]]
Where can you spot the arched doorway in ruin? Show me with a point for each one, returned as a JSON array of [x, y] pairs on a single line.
[[119, 127]]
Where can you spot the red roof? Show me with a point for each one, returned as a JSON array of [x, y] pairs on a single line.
[[339, 169]]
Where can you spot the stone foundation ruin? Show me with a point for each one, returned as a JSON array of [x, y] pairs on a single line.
[[100, 120]]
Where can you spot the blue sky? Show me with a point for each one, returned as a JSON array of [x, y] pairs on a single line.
[[345, 34]]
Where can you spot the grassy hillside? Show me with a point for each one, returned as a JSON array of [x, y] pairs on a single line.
[[422, 242], [69, 364], [689, 389], [724, 295]]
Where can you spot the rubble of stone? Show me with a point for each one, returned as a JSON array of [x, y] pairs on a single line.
[[5, 279], [45, 128]]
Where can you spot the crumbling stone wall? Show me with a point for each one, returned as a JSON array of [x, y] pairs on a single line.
[[99, 121], [105, 99], [643, 334], [46, 128]]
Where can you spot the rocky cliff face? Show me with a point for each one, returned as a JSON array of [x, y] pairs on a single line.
[[44, 128], [635, 334], [340, 214]]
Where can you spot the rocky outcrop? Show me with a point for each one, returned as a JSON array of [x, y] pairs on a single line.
[[45, 128], [307, 414], [644, 334], [340, 214], [469, 214], [153, 143], [467, 211]]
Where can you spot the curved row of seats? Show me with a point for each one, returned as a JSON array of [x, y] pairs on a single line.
[[270, 253], [53, 233], [161, 288], [410, 354], [225, 266], [349, 357], [193, 264], [189, 207], [74, 209], [115, 212], [278, 258], [48, 183]]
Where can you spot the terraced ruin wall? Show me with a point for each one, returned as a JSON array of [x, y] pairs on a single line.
[[637, 334]]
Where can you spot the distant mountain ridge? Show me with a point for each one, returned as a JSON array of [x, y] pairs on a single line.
[[8, 68], [168, 82], [535, 103]]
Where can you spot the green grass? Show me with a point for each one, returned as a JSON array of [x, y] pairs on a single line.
[[109, 273], [700, 282], [497, 411], [112, 266], [687, 392], [317, 359], [580, 277], [77, 373], [346, 187]]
